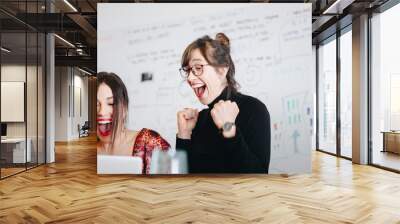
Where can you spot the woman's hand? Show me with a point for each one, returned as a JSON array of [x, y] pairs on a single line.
[[187, 119], [223, 112]]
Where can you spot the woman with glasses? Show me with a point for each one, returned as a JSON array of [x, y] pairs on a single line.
[[233, 134], [114, 138]]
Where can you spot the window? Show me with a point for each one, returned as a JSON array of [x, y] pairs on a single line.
[[327, 96], [385, 88], [346, 93]]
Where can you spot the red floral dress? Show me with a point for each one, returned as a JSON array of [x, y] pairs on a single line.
[[146, 141]]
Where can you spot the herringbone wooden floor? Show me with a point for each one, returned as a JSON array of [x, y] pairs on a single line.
[[70, 191]]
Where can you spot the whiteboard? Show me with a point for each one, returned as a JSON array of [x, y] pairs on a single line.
[[12, 101], [271, 49]]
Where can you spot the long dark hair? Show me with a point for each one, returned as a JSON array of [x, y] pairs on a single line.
[[217, 52], [120, 99]]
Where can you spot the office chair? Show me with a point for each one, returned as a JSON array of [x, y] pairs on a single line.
[[84, 130]]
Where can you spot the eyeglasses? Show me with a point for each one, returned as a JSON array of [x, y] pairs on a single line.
[[197, 70]]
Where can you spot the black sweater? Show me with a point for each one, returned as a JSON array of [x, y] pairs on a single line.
[[248, 152]]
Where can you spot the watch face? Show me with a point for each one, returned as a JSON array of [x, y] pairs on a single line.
[[227, 126]]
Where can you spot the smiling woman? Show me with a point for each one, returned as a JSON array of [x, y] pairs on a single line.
[[212, 56], [114, 137], [233, 134]]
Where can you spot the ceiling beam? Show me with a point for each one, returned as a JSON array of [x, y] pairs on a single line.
[[84, 24], [81, 61]]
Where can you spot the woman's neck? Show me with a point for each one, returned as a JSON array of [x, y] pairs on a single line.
[[220, 93], [124, 143]]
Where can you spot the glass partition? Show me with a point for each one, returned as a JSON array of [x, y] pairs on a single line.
[[14, 154], [22, 64]]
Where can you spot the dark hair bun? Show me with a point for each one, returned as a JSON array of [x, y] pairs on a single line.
[[223, 39]]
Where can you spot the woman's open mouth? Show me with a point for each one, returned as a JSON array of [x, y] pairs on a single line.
[[199, 89], [104, 126]]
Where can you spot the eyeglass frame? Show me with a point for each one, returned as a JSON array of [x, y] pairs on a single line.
[[185, 74]]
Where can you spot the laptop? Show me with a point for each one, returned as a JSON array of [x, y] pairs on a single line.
[[109, 164]]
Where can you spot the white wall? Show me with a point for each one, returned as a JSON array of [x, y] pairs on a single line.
[[61, 103], [79, 117], [67, 115], [16, 73]]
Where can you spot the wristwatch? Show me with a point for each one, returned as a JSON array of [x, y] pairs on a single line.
[[227, 126]]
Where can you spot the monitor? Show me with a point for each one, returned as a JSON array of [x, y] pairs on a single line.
[[3, 129]]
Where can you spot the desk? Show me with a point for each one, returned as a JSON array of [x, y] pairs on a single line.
[[391, 141], [15, 148]]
